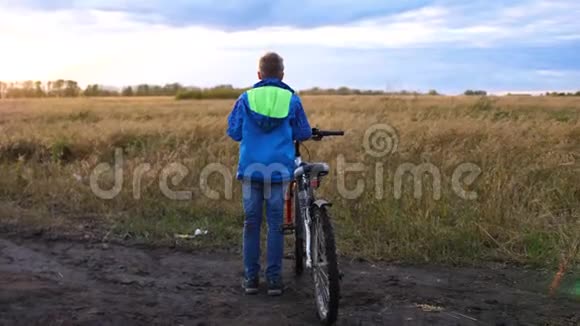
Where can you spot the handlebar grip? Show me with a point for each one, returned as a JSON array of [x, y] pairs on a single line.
[[331, 133], [323, 133]]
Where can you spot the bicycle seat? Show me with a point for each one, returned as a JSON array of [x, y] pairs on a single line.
[[316, 169]]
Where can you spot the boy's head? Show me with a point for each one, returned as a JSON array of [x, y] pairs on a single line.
[[271, 66]]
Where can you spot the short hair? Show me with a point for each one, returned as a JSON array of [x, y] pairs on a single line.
[[271, 65]]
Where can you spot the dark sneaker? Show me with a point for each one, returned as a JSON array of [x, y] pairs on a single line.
[[275, 288], [250, 286]]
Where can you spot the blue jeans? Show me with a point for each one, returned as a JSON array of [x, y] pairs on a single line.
[[255, 194]]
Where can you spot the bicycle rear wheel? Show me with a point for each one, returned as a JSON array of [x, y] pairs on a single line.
[[325, 267]]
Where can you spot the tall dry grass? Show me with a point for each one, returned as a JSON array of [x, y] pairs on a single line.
[[528, 149]]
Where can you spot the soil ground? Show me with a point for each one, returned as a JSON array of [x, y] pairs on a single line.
[[63, 281]]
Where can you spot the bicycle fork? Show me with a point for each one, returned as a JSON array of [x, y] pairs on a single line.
[[307, 223], [304, 204]]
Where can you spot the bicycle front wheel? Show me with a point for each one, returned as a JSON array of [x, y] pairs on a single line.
[[325, 267]]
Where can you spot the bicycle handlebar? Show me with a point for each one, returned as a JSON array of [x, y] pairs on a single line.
[[317, 133]]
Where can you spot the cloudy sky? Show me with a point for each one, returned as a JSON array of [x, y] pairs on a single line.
[[448, 45]]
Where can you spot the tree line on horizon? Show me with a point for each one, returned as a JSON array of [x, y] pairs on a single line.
[[70, 88], [563, 94]]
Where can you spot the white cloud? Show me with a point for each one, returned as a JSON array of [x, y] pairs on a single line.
[[115, 47], [551, 73]]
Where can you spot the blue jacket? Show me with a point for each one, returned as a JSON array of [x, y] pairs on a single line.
[[266, 120]]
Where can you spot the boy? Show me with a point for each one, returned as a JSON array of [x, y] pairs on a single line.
[[266, 120]]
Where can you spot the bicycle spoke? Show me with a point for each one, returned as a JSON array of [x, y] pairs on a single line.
[[323, 281], [324, 278], [322, 292], [320, 240], [321, 263]]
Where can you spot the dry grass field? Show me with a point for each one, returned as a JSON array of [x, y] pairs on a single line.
[[527, 208]]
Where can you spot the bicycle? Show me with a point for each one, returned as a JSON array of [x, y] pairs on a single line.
[[314, 246]]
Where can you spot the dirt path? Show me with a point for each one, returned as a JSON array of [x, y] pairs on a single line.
[[58, 282]]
